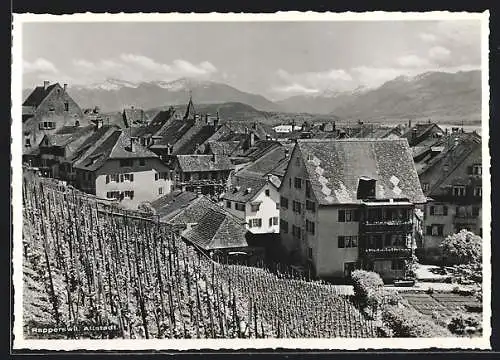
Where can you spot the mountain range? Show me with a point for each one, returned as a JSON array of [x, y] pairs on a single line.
[[437, 95]]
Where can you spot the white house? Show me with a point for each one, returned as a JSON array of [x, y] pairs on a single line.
[[287, 128], [255, 199], [116, 167]]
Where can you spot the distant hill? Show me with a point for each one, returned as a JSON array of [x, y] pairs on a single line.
[[114, 95], [437, 95]]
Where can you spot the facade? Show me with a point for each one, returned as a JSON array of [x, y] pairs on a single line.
[[256, 200], [348, 204], [205, 174], [46, 110], [452, 180], [116, 167]]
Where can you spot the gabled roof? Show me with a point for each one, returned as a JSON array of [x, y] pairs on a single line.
[[241, 127], [271, 160], [171, 204], [204, 163], [260, 148], [155, 125], [115, 146], [93, 141], [38, 95], [134, 116], [222, 147], [334, 168], [198, 134], [68, 134], [244, 188], [192, 212], [218, 230]]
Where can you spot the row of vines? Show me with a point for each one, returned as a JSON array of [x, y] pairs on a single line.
[[85, 266]]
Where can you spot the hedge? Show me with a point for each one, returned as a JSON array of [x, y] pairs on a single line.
[[407, 322]]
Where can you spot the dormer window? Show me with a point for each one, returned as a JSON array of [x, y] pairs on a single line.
[[477, 170], [366, 188], [459, 190]]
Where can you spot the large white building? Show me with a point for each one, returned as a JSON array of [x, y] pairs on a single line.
[[255, 199], [115, 166], [348, 204]]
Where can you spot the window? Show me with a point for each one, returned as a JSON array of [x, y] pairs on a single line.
[[459, 190], [425, 186], [308, 188], [160, 191], [290, 182], [161, 176], [478, 191], [296, 231], [311, 206], [254, 207], [435, 230], [347, 241], [477, 170], [275, 220], [438, 210], [297, 207], [27, 142], [270, 222], [239, 206], [298, 183], [47, 125], [284, 202], [126, 162], [268, 192], [310, 227], [66, 106], [129, 194], [255, 223], [228, 204], [284, 226], [310, 253], [348, 215], [475, 211], [397, 264], [128, 177], [142, 162]]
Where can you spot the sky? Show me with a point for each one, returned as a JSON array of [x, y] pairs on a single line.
[[273, 59]]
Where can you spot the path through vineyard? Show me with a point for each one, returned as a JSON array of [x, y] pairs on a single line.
[[85, 265]]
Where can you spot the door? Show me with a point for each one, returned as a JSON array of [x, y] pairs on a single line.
[[349, 267]]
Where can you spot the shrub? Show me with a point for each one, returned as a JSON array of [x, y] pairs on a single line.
[[365, 283], [407, 322], [462, 248], [461, 324]]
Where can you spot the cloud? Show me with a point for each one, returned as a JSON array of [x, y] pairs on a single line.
[[411, 61], [427, 37], [40, 65], [140, 68], [439, 53], [312, 82]]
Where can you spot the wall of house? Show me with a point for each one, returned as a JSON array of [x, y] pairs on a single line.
[[145, 187], [59, 115], [330, 259], [267, 210]]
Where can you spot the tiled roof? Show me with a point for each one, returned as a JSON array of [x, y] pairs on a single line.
[[271, 160], [200, 133], [240, 127], [93, 141], [334, 168], [218, 230], [134, 116], [244, 188], [68, 134], [172, 131], [193, 212], [204, 163], [115, 146], [159, 120], [38, 95], [260, 148], [171, 204], [223, 147]]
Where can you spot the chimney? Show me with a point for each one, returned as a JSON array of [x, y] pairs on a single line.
[[214, 158], [254, 126], [409, 124], [99, 123], [333, 127], [414, 133], [65, 87], [252, 139], [46, 84]]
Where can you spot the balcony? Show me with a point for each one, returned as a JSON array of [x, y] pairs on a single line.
[[386, 253], [386, 226]]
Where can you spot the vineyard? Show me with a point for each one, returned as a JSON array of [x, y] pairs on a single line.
[[84, 264]]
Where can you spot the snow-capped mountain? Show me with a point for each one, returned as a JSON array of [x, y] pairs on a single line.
[[114, 94], [433, 94]]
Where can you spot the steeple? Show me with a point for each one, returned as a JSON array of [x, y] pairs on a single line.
[[190, 113]]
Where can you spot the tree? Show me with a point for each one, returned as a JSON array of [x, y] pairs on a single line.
[[462, 248]]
